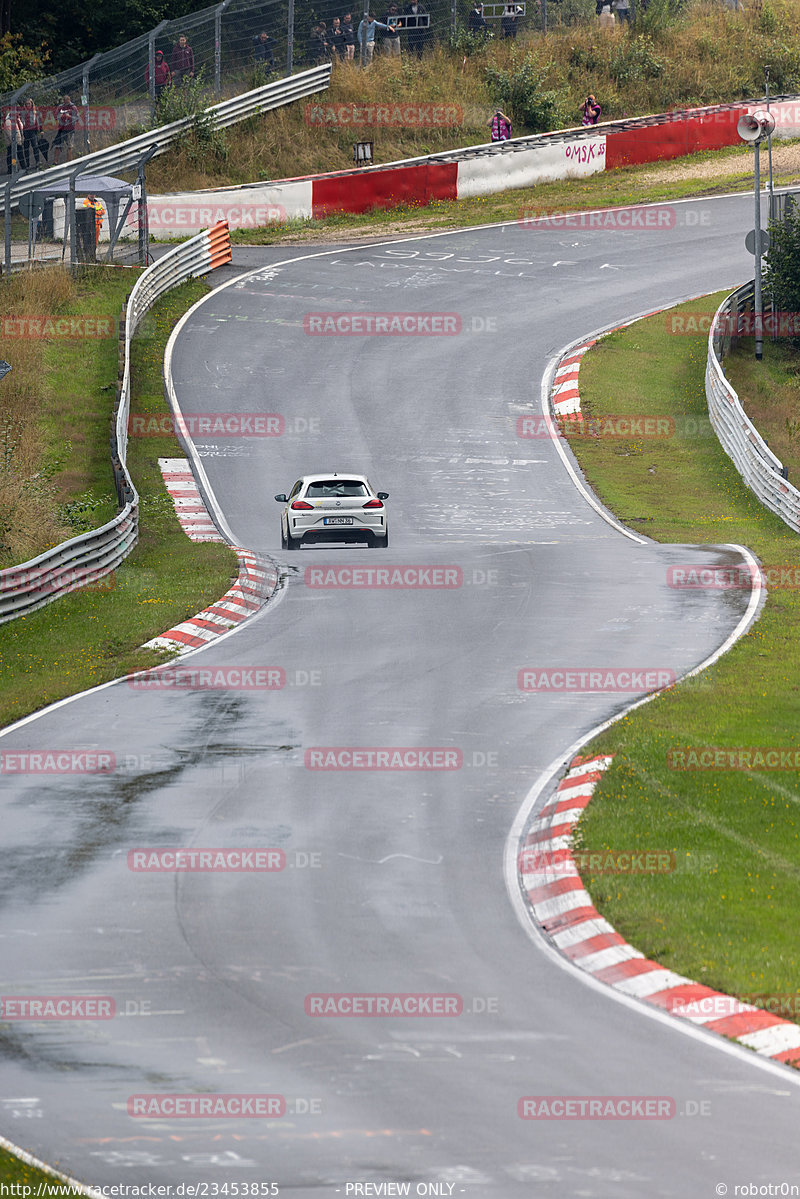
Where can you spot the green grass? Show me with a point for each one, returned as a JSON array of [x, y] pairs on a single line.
[[15, 1171], [94, 635], [725, 917], [770, 394]]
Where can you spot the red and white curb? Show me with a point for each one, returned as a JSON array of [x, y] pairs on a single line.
[[256, 582], [563, 909], [565, 397]]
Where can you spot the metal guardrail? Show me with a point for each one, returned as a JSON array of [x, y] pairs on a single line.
[[125, 155], [760, 469], [91, 556]]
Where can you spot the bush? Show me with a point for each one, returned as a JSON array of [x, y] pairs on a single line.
[[519, 91], [635, 60], [782, 268]]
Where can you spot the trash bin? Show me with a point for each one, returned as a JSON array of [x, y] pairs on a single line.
[[85, 235]]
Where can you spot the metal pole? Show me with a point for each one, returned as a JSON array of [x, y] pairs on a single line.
[[290, 39], [759, 306], [769, 153], [151, 62], [454, 18], [544, 16], [364, 39], [8, 229], [71, 216]]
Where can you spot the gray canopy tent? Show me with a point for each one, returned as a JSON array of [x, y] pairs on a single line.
[[117, 198]]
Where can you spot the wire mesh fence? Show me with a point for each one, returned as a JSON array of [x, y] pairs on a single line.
[[186, 64]]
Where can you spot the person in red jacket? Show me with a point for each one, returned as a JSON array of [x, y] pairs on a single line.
[[162, 76], [182, 61]]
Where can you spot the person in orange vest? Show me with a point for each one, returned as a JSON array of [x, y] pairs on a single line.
[[92, 201]]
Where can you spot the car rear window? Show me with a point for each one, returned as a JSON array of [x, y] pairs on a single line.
[[335, 487]]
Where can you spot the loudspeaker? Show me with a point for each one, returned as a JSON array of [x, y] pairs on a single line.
[[752, 127]]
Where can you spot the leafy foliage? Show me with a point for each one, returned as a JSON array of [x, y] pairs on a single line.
[[19, 63], [782, 269], [520, 90]]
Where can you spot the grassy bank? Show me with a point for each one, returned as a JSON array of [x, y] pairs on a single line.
[[770, 394], [93, 635], [14, 1171], [725, 917], [707, 55]]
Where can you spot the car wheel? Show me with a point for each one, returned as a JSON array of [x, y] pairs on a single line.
[[293, 543], [380, 542], [284, 546]]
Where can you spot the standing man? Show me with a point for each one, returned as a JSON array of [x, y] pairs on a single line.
[[366, 36], [31, 132], [417, 36], [349, 37], [66, 119], [263, 51], [391, 40], [182, 61], [475, 22], [508, 22]]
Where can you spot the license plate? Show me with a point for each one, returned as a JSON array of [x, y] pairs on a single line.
[[337, 520]]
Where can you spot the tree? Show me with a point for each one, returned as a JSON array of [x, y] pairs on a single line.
[[19, 63], [782, 269]]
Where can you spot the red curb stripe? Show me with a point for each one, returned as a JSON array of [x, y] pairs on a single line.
[[629, 969], [561, 886], [565, 920], [742, 1023], [592, 945]]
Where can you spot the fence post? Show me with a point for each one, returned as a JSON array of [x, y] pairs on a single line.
[[218, 11], [290, 40], [151, 63], [7, 215], [454, 18], [70, 215], [85, 98]]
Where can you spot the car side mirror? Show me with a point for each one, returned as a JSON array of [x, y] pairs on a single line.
[[383, 495], [281, 499]]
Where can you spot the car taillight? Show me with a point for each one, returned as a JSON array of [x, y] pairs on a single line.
[[301, 505], [373, 504]]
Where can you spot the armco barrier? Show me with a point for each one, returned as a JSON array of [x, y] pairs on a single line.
[[471, 171], [90, 556], [738, 436]]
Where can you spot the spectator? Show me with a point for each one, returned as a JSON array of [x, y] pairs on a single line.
[[366, 36], [31, 134], [475, 22], [66, 119], [162, 76], [317, 49], [501, 126], [417, 37], [509, 20], [591, 111], [12, 122], [349, 36], [604, 13], [182, 61], [264, 50], [336, 40], [623, 10], [391, 40]]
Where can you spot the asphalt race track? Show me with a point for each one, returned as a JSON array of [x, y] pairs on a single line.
[[394, 879]]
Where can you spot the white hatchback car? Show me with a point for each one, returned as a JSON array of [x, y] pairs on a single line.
[[333, 507]]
